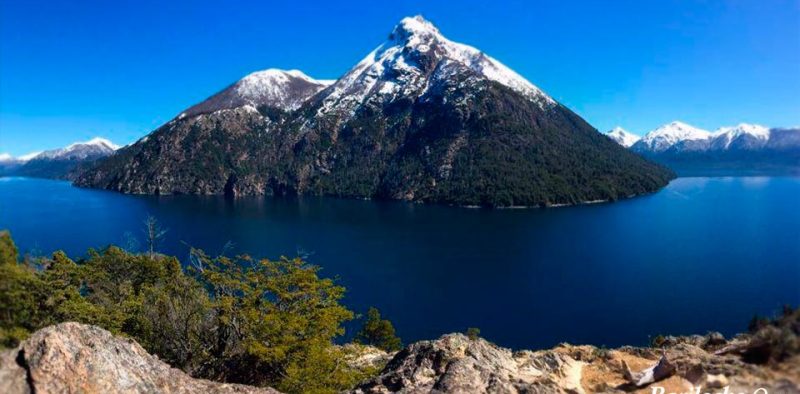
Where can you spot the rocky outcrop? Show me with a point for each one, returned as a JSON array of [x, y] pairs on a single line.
[[457, 364], [77, 358]]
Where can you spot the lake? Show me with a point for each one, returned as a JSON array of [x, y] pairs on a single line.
[[702, 254]]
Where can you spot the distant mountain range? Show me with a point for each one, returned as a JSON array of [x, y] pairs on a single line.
[[63, 163], [420, 118], [742, 149]]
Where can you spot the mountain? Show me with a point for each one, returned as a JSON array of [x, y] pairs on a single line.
[[741, 137], [286, 90], [668, 136], [63, 163], [622, 136], [741, 149], [420, 118]]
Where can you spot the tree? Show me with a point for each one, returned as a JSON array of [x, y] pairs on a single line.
[[473, 333], [242, 320], [20, 292], [154, 233], [271, 317], [378, 332]]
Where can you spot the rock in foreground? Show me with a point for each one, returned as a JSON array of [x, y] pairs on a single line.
[[77, 358], [457, 364]]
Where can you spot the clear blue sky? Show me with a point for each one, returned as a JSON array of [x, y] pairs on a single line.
[[72, 70]]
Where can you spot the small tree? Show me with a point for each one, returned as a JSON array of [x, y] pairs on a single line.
[[154, 233], [378, 332], [473, 333]]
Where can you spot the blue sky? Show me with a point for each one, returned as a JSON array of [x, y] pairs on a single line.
[[74, 70]]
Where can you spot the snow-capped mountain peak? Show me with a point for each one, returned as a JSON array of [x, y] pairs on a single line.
[[284, 89], [272, 84], [412, 31], [5, 157], [622, 136], [96, 141], [416, 57], [747, 135], [669, 134], [744, 128], [94, 148]]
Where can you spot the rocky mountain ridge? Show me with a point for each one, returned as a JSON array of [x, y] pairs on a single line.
[[421, 118]]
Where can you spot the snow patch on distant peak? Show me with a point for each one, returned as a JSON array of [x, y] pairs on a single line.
[[29, 156], [4, 157], [284, 89], [272, 83], [623, 137], [96, 141], [669, 134], [95, 147], [754, 130]]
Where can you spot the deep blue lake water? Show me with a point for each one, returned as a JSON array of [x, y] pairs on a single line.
[[702, 254]]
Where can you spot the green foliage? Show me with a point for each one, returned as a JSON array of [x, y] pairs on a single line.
[[757, 323], [378, 332], [272, 318], [473, 333], [20, 295], [8, 251], [260, 322], [658, 341], [602, 353]]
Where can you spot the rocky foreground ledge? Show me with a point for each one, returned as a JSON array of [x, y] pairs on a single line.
[[77, 358]]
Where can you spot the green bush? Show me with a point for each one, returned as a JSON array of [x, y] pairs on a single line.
[[259, 322], [378, 332]]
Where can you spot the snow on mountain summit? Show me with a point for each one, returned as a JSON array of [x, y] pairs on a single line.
[[94, 148], [274, 84], [669, 134], [725, 136], [416, 57], [622, 136], [284, 89], [678, 137], [96, 141]]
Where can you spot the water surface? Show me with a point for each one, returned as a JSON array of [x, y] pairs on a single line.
[[702, 254]]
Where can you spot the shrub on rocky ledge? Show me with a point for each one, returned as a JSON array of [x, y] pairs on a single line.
[[378, 332]]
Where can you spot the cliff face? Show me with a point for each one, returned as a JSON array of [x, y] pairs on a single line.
[[77, 358]]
